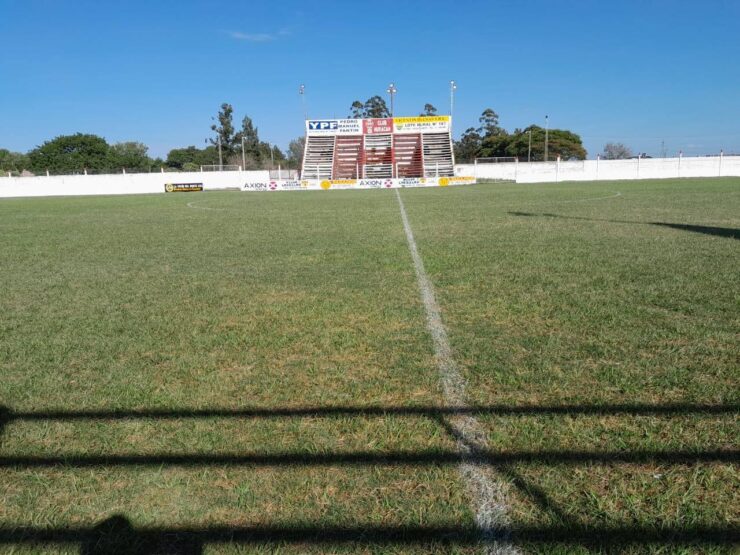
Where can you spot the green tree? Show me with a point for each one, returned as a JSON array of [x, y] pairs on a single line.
[[429, 110], [270, 156], [13, 162], [566, 144], [131, 155], [225, 130], [254, 152], [468, 147], [72, 153], [375, 107], [496, 145], [356, 110], [192, 157], [561, 142], [295, 152], [489, 124]]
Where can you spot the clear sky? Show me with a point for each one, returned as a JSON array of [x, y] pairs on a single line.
[[638, 72]]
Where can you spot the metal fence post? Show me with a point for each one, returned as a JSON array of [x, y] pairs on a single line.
[[680, 155]]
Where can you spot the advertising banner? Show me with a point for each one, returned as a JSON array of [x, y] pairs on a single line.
[[182, 187], [374, 126], [422, 124], [324, 127], [328, 184], [377, 125]]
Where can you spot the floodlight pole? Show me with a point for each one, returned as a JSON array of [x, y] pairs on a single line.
[[302, 92], [453, 86], [244, 157], [547, 129], [529, 150], [391, 90]]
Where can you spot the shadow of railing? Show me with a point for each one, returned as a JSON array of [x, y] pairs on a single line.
[[430, 411], [117, 535], [117, 532], [729, 232]]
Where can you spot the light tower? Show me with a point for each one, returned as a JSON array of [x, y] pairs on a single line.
[[302, 92], [391, 90]]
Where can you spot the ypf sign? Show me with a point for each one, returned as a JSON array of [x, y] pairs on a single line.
[[333, 127]]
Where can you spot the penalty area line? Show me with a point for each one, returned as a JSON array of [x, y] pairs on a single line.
[[486, 493]]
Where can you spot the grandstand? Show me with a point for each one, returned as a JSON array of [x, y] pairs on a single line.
[[378, 148]]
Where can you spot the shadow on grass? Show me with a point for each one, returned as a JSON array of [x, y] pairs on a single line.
[[118, 535], [729, 232]]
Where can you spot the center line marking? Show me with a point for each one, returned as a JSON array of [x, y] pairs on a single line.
[[488, 496]]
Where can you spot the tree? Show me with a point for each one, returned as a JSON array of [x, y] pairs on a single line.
[[192, 157], [495, 145], [72, 153], [253, 150], [616, 151], [356, 110], [270, 155], [489, 123], [467, 148], [131, 155], [429, 110], [13, 161], [374, 107], [225, 130], [561, 142], [566, 144], [295, 152]]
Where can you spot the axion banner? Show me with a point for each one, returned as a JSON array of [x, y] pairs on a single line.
[[375, 126]]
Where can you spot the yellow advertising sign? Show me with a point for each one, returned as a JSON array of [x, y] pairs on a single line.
[[420, 119], [422, 124]]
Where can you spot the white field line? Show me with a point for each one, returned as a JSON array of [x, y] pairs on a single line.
[[618, 194], [487, 495], [192, 205]]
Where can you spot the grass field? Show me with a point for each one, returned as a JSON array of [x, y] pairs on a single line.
[[254, 373]]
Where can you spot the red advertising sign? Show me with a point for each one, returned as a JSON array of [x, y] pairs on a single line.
[[377, 125]]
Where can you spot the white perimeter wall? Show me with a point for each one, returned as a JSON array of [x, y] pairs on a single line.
[[595, 170], [120, 184], [521, 172]]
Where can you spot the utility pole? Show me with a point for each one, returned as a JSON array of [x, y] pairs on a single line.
[[391, 90], [547, 129], [302, 92], [529, 150]]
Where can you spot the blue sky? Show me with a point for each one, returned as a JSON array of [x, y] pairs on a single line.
[[636, 72]]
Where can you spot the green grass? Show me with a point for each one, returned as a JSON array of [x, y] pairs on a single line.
[[286, 301]]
